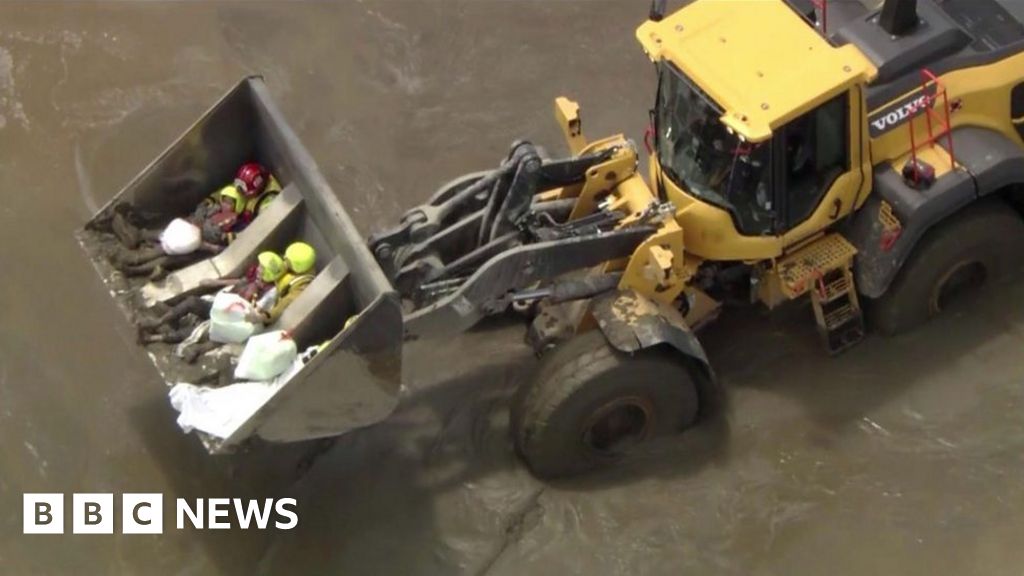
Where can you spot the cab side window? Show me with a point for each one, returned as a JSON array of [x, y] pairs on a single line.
[[816, 153]]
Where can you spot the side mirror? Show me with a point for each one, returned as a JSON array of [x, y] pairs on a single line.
[[657, 13]]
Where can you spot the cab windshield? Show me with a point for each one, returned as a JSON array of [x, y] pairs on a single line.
[[699, 155]]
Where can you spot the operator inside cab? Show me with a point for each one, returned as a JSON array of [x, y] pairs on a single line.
[[701, 154], [706, 158]]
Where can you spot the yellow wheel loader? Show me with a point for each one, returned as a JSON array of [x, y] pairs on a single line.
[[866, 157]]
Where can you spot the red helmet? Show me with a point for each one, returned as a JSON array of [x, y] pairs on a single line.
[[251, 179]]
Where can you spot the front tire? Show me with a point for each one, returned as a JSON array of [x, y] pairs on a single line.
[[981, 244], [588, 404]]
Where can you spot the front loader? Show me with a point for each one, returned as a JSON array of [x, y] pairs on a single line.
[[867, 158]]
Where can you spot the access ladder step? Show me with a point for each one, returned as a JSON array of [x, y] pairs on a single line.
[[834, 290], [837, 310], [845, 335], [802, 270], [840, 316]]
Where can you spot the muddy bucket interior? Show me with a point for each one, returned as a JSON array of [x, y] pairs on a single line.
[[350, 308]]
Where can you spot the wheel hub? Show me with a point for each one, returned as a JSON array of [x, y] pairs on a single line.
[[619, 423], [961, 279]]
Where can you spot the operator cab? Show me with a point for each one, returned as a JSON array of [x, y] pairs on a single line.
[[755, 116], [713, 163]]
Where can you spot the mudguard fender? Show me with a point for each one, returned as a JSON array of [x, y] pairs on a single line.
[[990, 163], [632, 322]]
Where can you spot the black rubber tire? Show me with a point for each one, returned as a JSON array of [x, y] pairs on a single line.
[[551, 414], [985, 239]]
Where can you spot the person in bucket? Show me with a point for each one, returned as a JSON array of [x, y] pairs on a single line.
[[211, 226], [270, 286]]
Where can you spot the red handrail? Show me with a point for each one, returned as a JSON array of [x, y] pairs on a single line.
[[930, 114]]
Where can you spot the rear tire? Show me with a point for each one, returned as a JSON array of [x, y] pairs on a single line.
[[588, 404], [981, 244]]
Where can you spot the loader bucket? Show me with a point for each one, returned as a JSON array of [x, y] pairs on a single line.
[[350, 308]]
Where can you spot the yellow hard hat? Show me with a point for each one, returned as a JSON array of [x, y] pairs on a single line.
[[271, 266], [230, 191], [301, 257]]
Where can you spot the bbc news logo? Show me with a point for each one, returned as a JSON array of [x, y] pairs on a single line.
[[143, 513]]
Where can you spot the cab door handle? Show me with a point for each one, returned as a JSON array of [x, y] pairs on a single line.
[[837, 205]]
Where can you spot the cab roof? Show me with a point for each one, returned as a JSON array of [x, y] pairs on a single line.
[[759, 60]]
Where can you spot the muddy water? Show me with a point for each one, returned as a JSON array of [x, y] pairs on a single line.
[[901, 456]]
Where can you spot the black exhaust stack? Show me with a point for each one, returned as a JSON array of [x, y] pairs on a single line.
[[898, 16], [657, 10]]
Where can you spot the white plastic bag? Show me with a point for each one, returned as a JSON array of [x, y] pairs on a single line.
[[220, 411], [266, 356], [229, 322], [180, 237]]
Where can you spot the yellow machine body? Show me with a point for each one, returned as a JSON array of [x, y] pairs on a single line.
[[766, 66]]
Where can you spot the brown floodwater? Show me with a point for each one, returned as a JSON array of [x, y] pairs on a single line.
[[902, 456]]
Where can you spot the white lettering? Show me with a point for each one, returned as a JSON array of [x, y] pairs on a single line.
[[142, 513], [185, 510], [902, 113], [284, 512], [218, 508], [253, 510]]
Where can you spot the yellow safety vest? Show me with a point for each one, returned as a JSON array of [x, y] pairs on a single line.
[[288, 285], [256, 204], [289, 282]]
